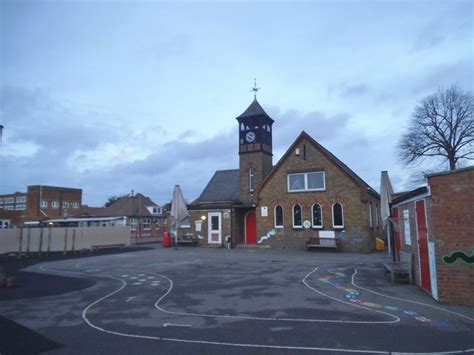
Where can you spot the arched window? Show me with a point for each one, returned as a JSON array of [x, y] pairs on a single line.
[[317, 214], [250, 179], [278, 215], [242, 127], [337, 215], [297, 216], [370, 215]]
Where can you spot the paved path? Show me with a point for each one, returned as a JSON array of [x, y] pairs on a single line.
[[196, 300]]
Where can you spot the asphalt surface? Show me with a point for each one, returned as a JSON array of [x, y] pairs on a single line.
[[240, 301]]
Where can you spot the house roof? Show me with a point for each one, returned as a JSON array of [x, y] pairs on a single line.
[[125, 206], [455, 171], [223, 186], [409, 194], [254, 110], [328, 154]]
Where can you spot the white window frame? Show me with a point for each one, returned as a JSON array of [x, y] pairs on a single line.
[[342, 215], [55, 204], [282, 217], [305, 174], [406, 226], [44, 204], [65, 204], [312, 216], [293, 216], [75, 205], [133, 223], [146, 223], [20, 199]]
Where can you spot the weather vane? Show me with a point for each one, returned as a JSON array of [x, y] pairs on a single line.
[[255, 89]]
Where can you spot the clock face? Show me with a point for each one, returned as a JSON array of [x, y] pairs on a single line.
[[250, 136]]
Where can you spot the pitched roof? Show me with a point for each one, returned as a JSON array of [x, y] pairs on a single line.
[[329, 155], [223, 186], [254, 110], [125, 206]]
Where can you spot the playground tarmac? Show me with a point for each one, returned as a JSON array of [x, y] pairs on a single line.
[[239, 301]]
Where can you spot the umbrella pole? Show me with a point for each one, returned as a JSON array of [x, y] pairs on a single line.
[[388, 239]]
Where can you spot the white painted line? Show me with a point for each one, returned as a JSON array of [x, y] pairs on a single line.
[[134, 277], [242, 345], [137, 283], [150, 277], [130, 298], [405, 300], [142, 275], [176, 325], [124, 275], [142, 280]]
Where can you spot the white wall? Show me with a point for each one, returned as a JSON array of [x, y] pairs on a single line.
[[54, 239]]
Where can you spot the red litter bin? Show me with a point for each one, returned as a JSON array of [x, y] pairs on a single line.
[[166, 240]]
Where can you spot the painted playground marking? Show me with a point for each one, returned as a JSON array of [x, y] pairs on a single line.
[[204, 342]]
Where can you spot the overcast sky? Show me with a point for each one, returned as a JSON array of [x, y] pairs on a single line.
[[113, 96]]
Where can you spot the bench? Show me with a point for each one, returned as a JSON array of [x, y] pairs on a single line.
[[322, 242], [402, 269], [106, 246], [187, 239]]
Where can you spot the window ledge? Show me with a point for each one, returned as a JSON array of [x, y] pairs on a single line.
[[318, 227], [279, 227]]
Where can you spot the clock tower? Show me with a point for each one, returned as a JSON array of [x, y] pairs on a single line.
[[255, 148]]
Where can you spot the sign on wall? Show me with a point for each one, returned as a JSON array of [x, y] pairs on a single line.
[[197, 225], [264, 211]]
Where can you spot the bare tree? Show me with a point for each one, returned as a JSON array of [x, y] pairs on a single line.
[[442, 125]]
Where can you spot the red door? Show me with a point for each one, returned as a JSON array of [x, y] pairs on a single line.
[[396, 231], [423, 245], [250, 228]]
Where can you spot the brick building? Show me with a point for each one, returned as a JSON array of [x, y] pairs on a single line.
[[308, 192], [39, 203], [435, 224]]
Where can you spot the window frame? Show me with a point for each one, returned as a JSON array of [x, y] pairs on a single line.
[[312, 216], [293, 216], [342, 215], [251, 176], [44, 204], [371, 221], [275, 217], [305, 174], [146, 223]]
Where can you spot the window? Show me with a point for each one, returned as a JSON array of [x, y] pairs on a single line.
[[20, 207], [75, 205], [9, 208], [9, 200], [21, 199], [337, 215], [317, 214], [377, 215], [250, 179], [406, 227], [370, 215], [146, 223], [1, 200], [156, 210], [133, 223], [314, 181], [278, 216], [44, 204], [55, 204], [65, 204], [297, 216]]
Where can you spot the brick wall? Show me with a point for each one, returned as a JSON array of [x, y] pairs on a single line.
[[226, 224], [261, 164], [357, 236], [451, 221]]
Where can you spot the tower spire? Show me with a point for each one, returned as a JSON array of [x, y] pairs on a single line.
[[255, 89]]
